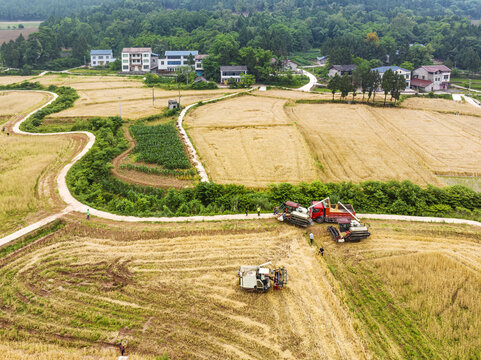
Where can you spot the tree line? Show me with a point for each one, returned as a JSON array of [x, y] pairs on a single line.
[[369, 82]]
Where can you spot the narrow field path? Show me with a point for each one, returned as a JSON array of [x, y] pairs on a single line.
[[75, 205], [310, 85]]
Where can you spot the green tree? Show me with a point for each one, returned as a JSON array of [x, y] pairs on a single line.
[[407, 65], [190, 59], [334, 84], [211, 68], [374, 83], [247, 80], [387, 83], [345, 85]]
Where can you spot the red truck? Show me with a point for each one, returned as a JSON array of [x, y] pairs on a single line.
[[323, 211]]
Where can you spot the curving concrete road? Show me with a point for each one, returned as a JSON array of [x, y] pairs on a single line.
[[75, 205], [312, 81]]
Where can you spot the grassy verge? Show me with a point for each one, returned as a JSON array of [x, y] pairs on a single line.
[[24, 241]]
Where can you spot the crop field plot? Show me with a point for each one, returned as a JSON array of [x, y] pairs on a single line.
[[9, 29], [15, 102], [26, 170], [441, 105], [414, 289], [293, 95], [6, 80], [99, 96], [174, 290], [250, 140], [363, 143]]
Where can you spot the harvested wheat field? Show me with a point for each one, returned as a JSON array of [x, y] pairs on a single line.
[[414, 288], [442, 105], [27, 173], [356, 143], [292, 94], [79, 82], [249, 140], [15, 102], [174, 289], [6, 80]]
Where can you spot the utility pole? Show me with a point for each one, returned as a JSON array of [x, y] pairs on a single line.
[[178, 86], [469, 87], [120, 108], [153, 97]]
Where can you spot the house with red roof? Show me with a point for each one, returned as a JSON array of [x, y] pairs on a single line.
[[431, 78]]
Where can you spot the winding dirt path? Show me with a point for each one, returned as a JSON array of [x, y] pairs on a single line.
[[75, 205]]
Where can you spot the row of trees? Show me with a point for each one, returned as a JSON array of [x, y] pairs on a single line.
[[368, 82]]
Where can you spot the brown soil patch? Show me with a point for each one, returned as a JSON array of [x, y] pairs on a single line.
[[7, 35]]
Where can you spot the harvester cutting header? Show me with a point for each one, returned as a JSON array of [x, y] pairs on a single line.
[[323, 211]]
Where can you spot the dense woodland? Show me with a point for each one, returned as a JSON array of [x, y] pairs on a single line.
[[236, 32]]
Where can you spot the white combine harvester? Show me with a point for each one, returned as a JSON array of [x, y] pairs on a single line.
[[259, 278]]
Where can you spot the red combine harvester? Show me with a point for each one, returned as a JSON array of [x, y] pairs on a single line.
[[350, 228]]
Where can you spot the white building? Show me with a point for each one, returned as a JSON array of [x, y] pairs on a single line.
[[173, 59], [199, 68], [232, 72], [397, 70], [101, 57], [431, 77], [138, 60]]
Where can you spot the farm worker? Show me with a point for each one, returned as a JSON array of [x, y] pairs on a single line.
[[88, 214], [247, 211], [3, 129], [122, 349], [258, 211], [311, 237], [321, 251]]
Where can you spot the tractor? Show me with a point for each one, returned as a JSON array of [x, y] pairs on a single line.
[[259, 278]]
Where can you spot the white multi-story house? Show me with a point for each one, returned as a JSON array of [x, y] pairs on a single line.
[[431, 77], [101, 57], [397, 70], [138, 60], [173, 59], [198, 67], [232, 72]]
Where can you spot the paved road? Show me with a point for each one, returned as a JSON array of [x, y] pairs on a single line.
[[310, 85], [75, 205]]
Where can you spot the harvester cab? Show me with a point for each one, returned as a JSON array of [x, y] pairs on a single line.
[[350, 230], [293, 213], [260, 278]]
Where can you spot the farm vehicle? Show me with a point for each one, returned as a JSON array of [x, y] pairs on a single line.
[[350, 228], [259, 278]]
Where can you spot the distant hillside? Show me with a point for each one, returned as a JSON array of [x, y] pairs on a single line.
[[41, 9]]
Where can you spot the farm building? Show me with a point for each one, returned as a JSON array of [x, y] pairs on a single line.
[[341, 70], [431, 78], [232, 72], [173, 59], [199, 69], [397, 70], [138, 60], [101, 57], [322, 60]]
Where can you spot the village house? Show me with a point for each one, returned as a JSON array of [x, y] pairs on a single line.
[[232, 72], [289, 65], [322, 60], [101, 57], [431, 78], [397, 70], [139, 60], [341, 70], [173, 59], [198, 67]]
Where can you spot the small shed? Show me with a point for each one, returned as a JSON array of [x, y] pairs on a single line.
[[173, 104]]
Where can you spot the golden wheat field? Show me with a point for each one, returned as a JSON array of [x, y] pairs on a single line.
[[413, 288], [6, 80], [174, 289], [25, 171], [348, 142], [249, 140], [441, 105], [15, 102], [292, 94], [99, 96], [410, 290]]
